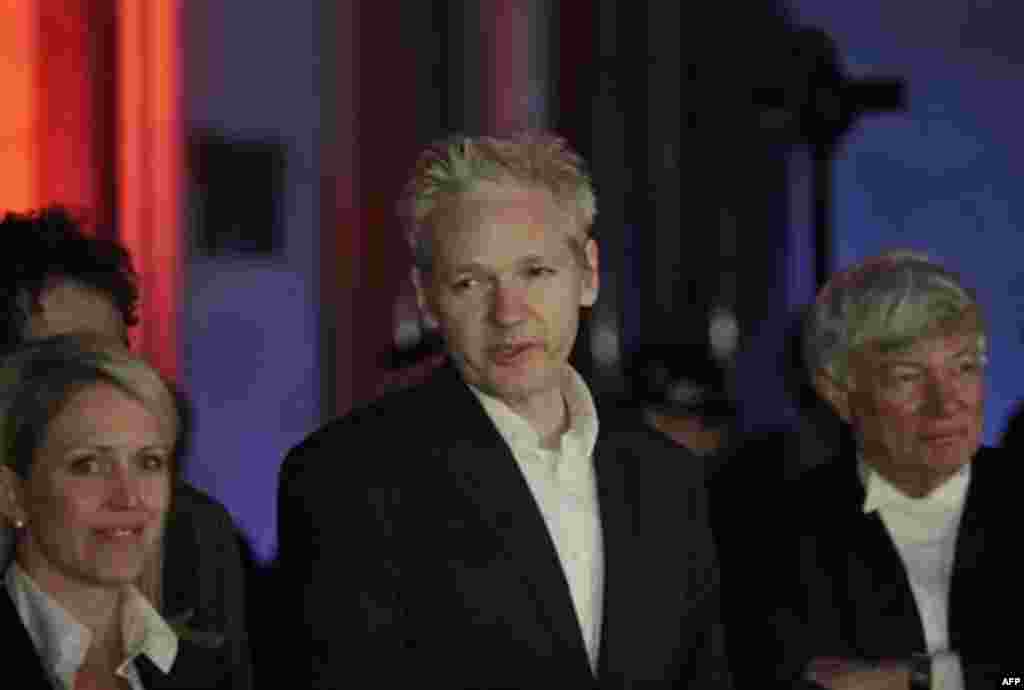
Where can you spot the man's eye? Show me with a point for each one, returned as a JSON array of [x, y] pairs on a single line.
[[970, 367], [86, 465], [539, 271], [463, 284]]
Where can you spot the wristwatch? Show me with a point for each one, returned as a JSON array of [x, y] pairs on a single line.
[[920, 672]]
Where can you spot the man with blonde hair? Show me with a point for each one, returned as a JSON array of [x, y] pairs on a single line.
[[494, 529], [895, 575]]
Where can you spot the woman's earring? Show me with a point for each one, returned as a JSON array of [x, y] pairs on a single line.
[[18, 524]]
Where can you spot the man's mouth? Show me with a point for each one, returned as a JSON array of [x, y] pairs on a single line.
[[505, 355]]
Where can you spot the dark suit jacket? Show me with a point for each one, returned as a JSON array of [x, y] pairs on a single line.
[[203, 578], [195, 667], [843, 590], [748, 501], [418, 557]]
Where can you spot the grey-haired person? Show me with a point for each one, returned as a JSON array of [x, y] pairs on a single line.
[[894, 573]]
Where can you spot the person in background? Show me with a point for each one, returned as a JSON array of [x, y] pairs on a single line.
[[681, 392], [489, 528], [747, 489], [893, 573], [55, 279], [87, 433]]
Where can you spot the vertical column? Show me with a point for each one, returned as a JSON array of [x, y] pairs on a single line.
[[341, 228], [150, 166], [19, 56], [592, 115], [515, 44], [67, 166], [55, 146], [373, 119]]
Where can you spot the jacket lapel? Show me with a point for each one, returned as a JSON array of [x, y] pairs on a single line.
[[620, 618], [875, 573], [657, 552], [973, 585], [194, 667], [486, 473]]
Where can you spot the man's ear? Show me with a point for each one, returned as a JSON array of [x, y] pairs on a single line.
[[833, 393], [423, 301], [12, 504], [592, 275]]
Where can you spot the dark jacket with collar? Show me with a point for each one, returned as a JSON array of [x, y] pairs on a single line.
[[417, 556], [195, 667], [841, 588], [203, 580]]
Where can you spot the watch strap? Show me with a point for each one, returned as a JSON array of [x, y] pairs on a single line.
[[920, 672]]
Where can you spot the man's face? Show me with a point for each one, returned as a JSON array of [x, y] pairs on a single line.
[[919, 411], [506, 289], [69, 307]]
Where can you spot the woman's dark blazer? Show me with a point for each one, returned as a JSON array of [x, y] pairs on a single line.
[[196, 667]]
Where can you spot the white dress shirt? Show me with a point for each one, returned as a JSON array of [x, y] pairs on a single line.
[[563, 485], [62, 642], [924, 531]]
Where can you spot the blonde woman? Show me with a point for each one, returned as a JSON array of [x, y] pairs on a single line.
[[87, 435]]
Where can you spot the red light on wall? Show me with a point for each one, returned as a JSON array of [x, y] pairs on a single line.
[[150, 168], [18, 148], [69, 68], [57, 78]]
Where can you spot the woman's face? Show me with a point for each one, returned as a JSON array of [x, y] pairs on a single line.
[[97, 494]]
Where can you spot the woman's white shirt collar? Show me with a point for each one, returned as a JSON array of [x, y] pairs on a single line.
[[62, 642]]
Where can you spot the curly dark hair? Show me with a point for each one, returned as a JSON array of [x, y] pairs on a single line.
[[49, 245]]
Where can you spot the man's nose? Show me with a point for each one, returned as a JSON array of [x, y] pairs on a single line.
[[508, 304]]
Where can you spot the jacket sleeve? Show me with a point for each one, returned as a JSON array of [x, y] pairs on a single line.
[[337, 562], [710, 663]]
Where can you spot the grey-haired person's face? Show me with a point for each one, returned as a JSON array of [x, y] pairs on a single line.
[[917, 411]]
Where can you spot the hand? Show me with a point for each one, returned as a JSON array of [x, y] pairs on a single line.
[[856, 674]]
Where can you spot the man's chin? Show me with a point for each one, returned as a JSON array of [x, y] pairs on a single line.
[[950, 459], [520, 387], [515, 393]]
